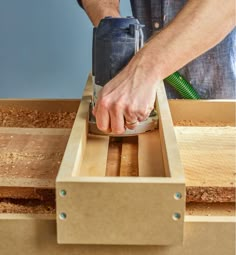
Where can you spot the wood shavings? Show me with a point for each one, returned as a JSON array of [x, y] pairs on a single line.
[[12, 117], [33, 206]]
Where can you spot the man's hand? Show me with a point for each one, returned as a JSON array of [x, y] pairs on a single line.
[[130, 96], [127, 99]]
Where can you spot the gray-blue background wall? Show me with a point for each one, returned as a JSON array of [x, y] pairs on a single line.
[[45, 48]]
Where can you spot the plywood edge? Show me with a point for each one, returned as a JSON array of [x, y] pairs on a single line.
[[76, 145], [27, 182], [35, 131], [24, 216], [171, 156], [122, 179], [210, 219]]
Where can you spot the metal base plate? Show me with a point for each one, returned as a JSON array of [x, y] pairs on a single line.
[[148, 125]]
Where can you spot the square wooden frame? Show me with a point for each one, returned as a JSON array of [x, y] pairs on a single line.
[[120, 210]]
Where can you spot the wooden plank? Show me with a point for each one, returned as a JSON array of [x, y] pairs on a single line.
[[202, 237], [30, 158], [150, 159], [114, 156], [171, 157], [76, 145], [95, 157], [208, 156], [129, 157], [111, 210], [198, 187], [31, 153], [209, 111]]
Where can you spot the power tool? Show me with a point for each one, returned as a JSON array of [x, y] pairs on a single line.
[[115, 42]]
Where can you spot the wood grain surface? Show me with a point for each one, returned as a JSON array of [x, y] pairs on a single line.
[[34, 155], [208, 157]]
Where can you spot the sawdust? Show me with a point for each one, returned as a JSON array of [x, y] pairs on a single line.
[[212, 209], [28, 193], [13, 117], [33, 206], [210, 194]]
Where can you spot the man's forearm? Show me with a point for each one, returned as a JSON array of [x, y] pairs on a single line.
[[98, 9], [198, 27]]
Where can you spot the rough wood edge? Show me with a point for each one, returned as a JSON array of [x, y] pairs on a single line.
[[210, 194], [171, 155]]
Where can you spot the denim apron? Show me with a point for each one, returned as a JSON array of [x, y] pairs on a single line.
[[211, 74]]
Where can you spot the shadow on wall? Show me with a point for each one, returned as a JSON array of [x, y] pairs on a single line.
[[45, 48]]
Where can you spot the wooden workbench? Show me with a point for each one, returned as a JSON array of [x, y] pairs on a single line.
[[33, 144], [34, 135]]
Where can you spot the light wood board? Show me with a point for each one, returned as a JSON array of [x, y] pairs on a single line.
[[29, 160], [31, 153], [37, 234], [208, 157], [95, 157], [207, 154]]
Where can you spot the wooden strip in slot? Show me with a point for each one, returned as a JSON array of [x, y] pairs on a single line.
[[114, 155], [129, 157], [95, 157], [150, 161]]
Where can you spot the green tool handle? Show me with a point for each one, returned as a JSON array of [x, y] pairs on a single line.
[[183, 87]]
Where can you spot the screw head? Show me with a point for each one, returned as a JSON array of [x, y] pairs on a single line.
[[177, 195], [176, 216], [62, 193], [62, 216]]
